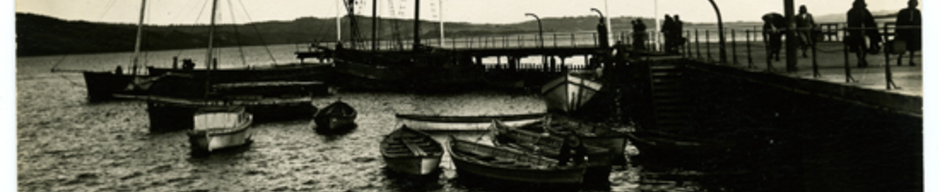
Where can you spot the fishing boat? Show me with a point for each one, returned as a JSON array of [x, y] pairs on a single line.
[[411, 151], [218, 128], [546, 144], [335, 116], [102, 85], [570, 93], [466, 123], [511, 165]]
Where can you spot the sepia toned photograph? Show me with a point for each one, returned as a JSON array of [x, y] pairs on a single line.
[[470, 95]]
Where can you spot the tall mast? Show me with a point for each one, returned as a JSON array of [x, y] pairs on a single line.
[[440, 17], [417, 40], [339, 27], [140, 29], [209, 49], [374, 21], [211, 34]]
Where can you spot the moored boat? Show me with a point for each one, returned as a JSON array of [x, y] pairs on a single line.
[[217, 128], [466, 123], [511, 165], [664, 147], [547, 144], [282, 72], [595, 134], [411, 151], [570, 93], [335, 116]]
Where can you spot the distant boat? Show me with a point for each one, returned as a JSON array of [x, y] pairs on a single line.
[[411, 151], [569, 93], [284, 72], [547, 144], [217, 128], [466, 123], [510, 165], [335, 116]]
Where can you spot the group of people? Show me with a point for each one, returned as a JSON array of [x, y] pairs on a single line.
[[672, 34], [861, 26], [775, 26]]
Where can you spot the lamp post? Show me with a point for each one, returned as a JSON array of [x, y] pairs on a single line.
[[541, 41], [602, 31], [721, 34]]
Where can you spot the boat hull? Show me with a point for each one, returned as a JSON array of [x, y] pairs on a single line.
[[208, 142], [413, 165], [466, 123], [101, 86], [288, 72], [338, 115], [404, 71], [502, 164], [411, 151], [173, 114], [569, 94]]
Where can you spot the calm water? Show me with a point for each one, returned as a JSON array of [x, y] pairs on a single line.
[[66, 144]]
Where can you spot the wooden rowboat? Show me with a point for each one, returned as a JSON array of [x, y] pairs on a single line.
[[546, 144], [569, 93], [337, 115], [511, 165], [218, 128], [465, 123], [411, 151]]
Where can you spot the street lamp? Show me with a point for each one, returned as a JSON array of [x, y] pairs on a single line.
[[541, 41], [602, 31]]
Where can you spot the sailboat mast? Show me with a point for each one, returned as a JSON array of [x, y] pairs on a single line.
[[211, 34], [339, 27], [374, 21], [417, 40], [140, 29]]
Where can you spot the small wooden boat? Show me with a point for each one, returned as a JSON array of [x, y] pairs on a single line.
[[595, 134], [569, 93], [411, 151], [465, 123], [511, 165], [337, 115], [546, 144], [218, 128]]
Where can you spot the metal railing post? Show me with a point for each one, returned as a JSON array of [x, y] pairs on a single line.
[[750, 60], [698, 50], [708, 47], [845, 51], [734, 49]]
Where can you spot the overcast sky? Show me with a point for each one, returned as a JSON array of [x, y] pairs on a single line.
[[476, 11]]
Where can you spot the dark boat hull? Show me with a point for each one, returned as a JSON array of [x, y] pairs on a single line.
[[289, 72], [101, 86], [679, 150], [337, 115], [466, 163], [171, 114], [405, 71]]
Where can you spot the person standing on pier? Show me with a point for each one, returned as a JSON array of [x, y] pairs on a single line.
[[807, 28], [667, 33], [908, 30], [775, 26], [678, 40], [639, 35], [861, 24]]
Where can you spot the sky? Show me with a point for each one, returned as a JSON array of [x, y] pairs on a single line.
[[474, 11]]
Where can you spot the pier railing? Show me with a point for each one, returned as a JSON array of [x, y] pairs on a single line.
[[750, 48]]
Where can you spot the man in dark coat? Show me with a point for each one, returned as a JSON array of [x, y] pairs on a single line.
[[775, 25], [861, 24], [908, 23], [678, 40], [667, 33], [806, 27]]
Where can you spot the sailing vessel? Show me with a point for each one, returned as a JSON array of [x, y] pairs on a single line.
[[466, 123], [511, 165], [410, 151], [218, 128], [421, 68], [102, 85], [174, 97], [337, 115]]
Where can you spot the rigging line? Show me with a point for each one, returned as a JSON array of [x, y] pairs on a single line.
[[195, 24], [106, 9], [238, 39], [257, 32]]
